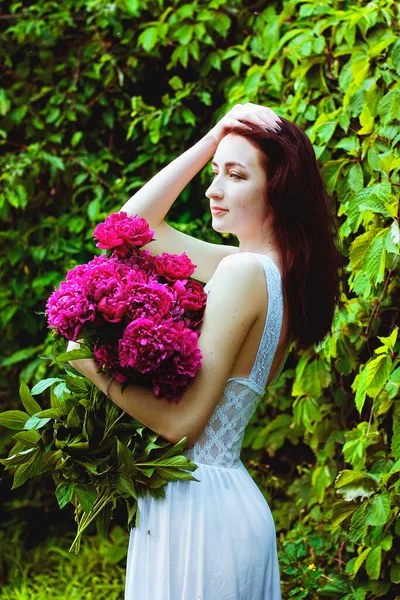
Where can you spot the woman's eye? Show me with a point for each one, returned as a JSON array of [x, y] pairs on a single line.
[[213, 174], [235, 176]]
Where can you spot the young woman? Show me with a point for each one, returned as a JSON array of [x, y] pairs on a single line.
[[215, 539]]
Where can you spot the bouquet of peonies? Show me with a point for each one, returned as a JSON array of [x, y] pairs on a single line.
[[139, 317], [142, 313]]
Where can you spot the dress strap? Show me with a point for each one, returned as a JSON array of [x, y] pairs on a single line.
[[273, 324]]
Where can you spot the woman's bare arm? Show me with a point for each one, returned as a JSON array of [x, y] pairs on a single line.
[[155, 198]]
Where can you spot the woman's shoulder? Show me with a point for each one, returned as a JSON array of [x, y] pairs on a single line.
[[241, 260], [242, 269]]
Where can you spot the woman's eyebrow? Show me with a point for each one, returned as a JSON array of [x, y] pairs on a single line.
[[230, 164]]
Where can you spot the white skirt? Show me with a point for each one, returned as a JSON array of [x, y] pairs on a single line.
[[208, 540]]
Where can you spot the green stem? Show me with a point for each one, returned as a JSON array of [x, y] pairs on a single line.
[[107, 431], [85, 521]]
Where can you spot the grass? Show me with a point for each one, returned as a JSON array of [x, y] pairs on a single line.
[[48, 570]]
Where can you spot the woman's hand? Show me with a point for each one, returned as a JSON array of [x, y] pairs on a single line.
[[242, 116]]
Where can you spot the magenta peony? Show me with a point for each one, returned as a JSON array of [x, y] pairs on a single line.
[[120, 232], [174, 266], [68, 309], [165, 348], [148, 300]]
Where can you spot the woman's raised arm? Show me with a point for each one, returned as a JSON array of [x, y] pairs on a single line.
[[156, 197]]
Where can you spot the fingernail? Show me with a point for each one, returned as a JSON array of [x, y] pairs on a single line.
[[277, 128], [268, 128]]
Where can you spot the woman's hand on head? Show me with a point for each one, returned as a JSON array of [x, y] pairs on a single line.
[[243, 116]]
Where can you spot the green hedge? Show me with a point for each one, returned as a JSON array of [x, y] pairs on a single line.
[[95, 97]]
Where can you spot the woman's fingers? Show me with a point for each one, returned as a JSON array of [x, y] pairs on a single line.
[[259, 115]]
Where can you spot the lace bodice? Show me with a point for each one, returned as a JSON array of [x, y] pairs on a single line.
[[221, 440]]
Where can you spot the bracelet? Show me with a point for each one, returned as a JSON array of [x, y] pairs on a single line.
[[108, 386]]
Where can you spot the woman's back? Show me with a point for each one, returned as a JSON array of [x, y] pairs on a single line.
[[220, 442]]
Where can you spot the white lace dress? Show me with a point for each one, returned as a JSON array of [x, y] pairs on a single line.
[[214, 539]]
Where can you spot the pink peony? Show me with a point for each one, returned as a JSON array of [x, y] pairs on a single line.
[[176, 374], [192, 298], [140, 260], [78, 274], [191, 294], [148, 345], [120, 232], [174, 266], [68, 309], [113, 301], [100, 272], [148, 300]]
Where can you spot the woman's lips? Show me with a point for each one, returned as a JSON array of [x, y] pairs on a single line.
[[218, 211]]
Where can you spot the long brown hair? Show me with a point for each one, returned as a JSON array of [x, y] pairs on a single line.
[[306, 231]]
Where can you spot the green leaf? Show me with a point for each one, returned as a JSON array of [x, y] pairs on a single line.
[[86, 495], [103, 520], [52, 413], [4, 103], [35, 422], [385, 478], [348, 476], [361, 389], [360, 559], [390, 340], [125, 456], [356, 177], [42, 385], [359, 248], [28, 437], [378, 372], [374, 259], [30, 405], [64, 492], [395, 445], [18, 458], [358, 524], [342, 510], [148, 38], [171, 474], [374, 204], [13, 419], [366, 120], [124, 483], [395, 573], [83, 352], [176, 448], [27, 470], [73, 419], [306, 411], [378, 510], [76, 385], [374, 562], [20, 356]]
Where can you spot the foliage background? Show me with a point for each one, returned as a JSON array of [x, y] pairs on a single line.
[[94, 98]]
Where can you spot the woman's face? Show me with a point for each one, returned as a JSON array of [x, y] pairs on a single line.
[[239, 187]]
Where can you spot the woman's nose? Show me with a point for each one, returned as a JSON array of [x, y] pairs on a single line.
[[214, 191]]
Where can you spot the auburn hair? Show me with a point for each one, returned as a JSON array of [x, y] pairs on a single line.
[[306, 231]]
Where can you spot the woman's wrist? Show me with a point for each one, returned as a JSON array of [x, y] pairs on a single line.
[[213, 137]]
